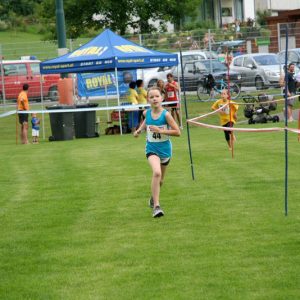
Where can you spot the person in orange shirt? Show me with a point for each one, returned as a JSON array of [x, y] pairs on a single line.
[[22, 104]]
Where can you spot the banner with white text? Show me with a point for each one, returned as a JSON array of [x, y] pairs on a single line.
[[98, 84]]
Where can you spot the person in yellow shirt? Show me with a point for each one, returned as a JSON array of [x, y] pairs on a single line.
[[132, 95], [142, 98], [228, 115], [22, 105], [142, 93]]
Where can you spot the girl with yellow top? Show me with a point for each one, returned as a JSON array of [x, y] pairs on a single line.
[[228, 115], [142, 93], [132, 94], [142, 98]]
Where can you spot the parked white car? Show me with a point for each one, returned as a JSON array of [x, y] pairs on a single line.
[[196, 55], [150, 76]]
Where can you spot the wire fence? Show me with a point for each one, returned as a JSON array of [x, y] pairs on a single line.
[[253, 39], [260, 69]]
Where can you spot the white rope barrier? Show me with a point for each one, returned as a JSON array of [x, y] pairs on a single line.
[[65, 110], [8, 113], [236, 128], [265, 102], [195, 121]]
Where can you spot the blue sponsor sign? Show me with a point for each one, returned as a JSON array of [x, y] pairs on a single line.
[[95, 84]]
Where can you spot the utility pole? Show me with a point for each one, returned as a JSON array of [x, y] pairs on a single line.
[[61, 29]]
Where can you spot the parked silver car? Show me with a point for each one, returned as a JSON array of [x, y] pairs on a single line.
[[261, 70]]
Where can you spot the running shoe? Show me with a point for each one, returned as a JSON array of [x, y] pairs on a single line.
[[157, 212]]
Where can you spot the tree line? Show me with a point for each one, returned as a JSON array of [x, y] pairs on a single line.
[[82, 16]]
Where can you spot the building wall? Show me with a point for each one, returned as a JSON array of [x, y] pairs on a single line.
[[249, 9], [276, 5]]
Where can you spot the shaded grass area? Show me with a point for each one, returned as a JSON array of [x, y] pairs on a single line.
[[75, 222]]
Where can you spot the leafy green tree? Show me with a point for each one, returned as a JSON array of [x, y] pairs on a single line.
[[176, 10], [82, 15], [261, 17], [19, 7]]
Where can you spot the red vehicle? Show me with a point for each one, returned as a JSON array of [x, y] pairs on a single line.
[[18, 72]]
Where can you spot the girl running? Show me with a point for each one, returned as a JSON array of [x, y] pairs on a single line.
[[159, 125]]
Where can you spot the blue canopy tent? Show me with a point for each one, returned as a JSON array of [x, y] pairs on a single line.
[[108, 51]]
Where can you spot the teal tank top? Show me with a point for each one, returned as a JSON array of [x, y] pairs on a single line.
[[157, 143]]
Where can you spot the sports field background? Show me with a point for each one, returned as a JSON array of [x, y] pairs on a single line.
[[75, 222]]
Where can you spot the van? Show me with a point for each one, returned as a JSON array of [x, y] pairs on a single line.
[[18, 72]]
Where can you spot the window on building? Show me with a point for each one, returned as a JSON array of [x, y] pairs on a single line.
[[238, 7], [226, 12], [207, 10]]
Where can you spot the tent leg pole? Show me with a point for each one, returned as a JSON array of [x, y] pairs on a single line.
[[118, 94]]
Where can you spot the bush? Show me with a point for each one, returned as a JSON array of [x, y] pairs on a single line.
[[3, 25]]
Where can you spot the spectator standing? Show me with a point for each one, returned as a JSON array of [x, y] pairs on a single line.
[[237, 28], [161, 85], [172, 90], [23, 105], [142, 97], [35, 123], [291, 89], [132, 95]]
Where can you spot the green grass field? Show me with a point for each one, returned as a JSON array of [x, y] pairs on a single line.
[[75, 222]]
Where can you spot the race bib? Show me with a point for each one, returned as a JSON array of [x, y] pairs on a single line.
[[171, 94], [225, 109], [155, 137]]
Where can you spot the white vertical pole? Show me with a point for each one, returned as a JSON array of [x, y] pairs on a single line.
[[278, 37], [2, 80], [209, 47], [179, 96], [42, 101], [118, 94], [106, 100]]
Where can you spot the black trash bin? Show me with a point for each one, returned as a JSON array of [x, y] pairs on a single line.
[[62, 124], [85, 122]]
